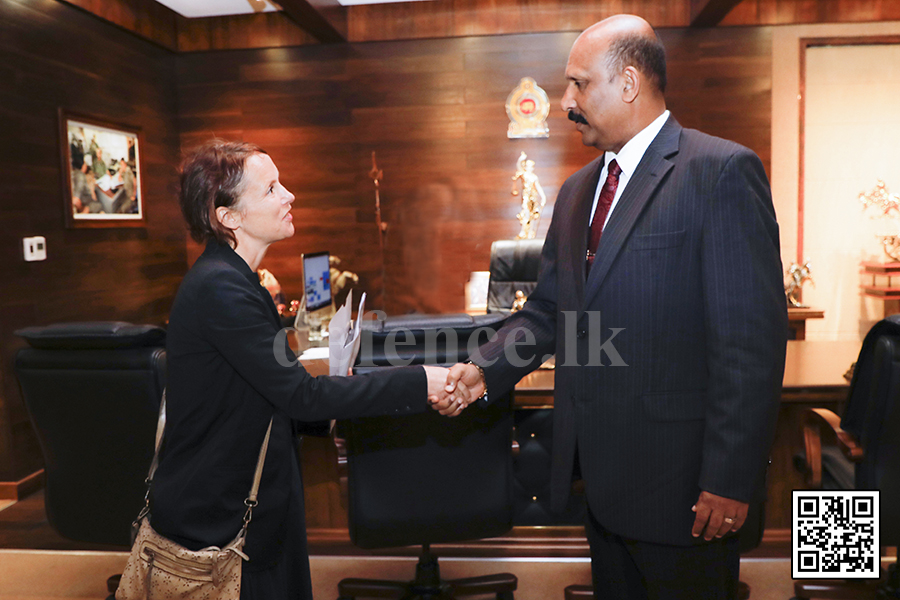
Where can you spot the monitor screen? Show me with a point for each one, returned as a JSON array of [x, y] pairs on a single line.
[[317, 281]]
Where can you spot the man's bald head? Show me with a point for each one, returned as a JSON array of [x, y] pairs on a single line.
[[628, 40]]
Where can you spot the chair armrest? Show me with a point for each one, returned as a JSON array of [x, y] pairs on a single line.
[[813, 422]]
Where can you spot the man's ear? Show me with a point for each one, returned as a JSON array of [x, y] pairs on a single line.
[[631, 84], [229, 218]]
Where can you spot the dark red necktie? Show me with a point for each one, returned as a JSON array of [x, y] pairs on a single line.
[[607, 194]]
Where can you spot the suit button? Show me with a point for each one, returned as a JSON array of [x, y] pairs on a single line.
[[581, 334]]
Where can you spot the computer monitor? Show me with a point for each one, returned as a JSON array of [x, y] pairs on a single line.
[[317, 282]]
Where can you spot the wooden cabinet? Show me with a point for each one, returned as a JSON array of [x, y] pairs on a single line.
[[882, 281]]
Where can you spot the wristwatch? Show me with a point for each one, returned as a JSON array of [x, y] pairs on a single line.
[[483, 399]]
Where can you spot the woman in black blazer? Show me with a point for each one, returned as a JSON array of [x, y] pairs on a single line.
[[225, 383]]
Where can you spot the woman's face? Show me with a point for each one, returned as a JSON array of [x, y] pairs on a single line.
[[263, 210]]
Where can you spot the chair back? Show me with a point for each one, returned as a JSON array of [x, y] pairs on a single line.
[[425, 478], [92, 392], [872, 415], [514, 267]]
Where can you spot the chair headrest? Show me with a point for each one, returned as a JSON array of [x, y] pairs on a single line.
[[418, 322], [516, 260], [93, 335]]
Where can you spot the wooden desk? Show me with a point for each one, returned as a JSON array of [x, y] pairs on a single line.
[[797, 318], [882, 284]]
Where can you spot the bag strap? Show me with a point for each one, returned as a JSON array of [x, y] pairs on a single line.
[[250, 502], [160, 426]]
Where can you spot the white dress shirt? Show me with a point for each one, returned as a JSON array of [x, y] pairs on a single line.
[[628, 159]]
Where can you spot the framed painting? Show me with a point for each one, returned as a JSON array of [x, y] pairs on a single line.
[[101, 167]]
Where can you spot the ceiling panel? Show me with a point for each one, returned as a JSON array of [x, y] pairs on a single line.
[[218, 8]]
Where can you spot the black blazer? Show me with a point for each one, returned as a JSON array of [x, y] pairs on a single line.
[[224, 384], [686, 296]]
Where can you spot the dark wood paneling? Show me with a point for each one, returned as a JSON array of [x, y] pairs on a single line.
[[326, 20], [784, 12], [448, 18], [146, 18], [260, 30], [708, 13], [54, 55]]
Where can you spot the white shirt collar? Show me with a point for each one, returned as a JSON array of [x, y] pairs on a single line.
[[629, 157]]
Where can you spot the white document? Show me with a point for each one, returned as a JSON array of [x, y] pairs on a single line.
[[105, 182], [343, 336]]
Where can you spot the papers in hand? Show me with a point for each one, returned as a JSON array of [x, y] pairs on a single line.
[[343, 336]]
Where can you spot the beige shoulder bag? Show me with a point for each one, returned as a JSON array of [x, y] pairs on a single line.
[[161, 568]]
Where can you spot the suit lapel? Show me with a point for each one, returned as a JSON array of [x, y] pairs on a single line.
[[641, 189]]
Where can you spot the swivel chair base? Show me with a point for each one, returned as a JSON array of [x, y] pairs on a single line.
[[428, 585]]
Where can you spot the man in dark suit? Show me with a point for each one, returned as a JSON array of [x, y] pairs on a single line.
[[667, 408]]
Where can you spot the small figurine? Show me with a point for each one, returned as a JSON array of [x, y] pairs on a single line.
[[533, 197], [798, 276], [519, 302], [340, 279]]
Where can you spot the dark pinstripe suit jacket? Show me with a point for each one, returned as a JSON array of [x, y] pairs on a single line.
[[687, 291]]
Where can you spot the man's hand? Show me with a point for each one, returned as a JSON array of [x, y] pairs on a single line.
[[468, 375], [448, 402], [718, 515]]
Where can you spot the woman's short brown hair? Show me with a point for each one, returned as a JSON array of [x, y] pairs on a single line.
[[212, 176]]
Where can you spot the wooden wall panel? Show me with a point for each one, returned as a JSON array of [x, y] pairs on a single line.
[[433, 110], [784, 12], [449, 18], [146, 18], [260, 30], [52, 56]]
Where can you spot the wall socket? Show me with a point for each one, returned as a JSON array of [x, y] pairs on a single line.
[[35, 248]]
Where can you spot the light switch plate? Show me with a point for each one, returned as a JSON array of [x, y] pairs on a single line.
[[35, 248]]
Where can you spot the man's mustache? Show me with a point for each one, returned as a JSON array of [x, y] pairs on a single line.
[[574, 116]]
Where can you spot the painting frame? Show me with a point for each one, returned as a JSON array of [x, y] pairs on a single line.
[[100, 162]]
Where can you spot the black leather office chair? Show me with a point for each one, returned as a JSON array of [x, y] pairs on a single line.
[[427, 479], [514, 267], [92, 391], [864, 443]]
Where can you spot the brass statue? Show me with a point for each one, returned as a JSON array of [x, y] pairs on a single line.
[[533, 197], [339, 279], [888, 206], [886, 202], [519, 303], [798, 276]]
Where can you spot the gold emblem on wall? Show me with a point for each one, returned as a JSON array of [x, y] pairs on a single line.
[[528, 107]]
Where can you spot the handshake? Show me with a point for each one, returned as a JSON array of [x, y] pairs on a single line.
[[451, 390]]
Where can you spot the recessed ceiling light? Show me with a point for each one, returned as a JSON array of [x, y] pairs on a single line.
[[218, 8], [358, 2]]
